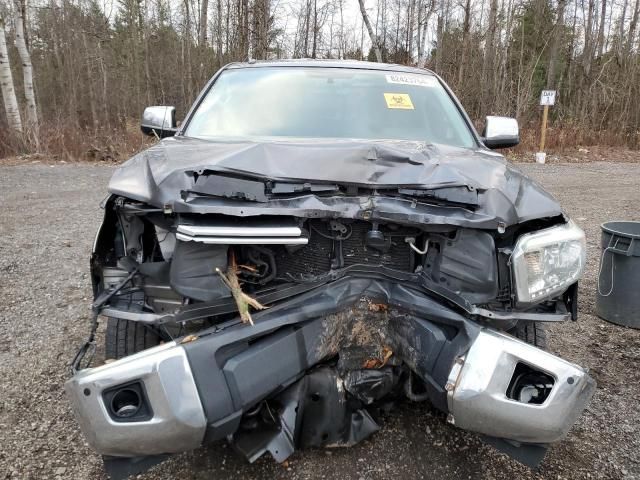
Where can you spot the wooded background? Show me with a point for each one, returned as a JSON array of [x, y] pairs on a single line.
[[83, 70]]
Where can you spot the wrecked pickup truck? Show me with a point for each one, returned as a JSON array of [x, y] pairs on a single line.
[[316, 241]]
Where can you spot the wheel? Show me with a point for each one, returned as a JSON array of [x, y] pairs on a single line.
[[124, 338], [530, 332]]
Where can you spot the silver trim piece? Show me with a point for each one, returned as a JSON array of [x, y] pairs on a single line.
[[530, 316], [477, 398], [245, 240], [178, 421], [236, 231]]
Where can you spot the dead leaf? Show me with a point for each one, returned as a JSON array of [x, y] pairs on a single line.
[[372, 363], [378, 307]]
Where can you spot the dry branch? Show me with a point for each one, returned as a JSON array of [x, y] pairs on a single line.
[[243, 301]]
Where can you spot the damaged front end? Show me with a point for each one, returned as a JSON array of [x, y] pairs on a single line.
[[370, 297]]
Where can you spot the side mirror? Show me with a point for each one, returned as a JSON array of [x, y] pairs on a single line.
[[159, 120], [500, 132]]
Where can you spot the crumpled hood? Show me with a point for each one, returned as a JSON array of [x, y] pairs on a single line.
[[159, 174]]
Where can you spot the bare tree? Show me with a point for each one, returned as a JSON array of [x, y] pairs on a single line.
[[556, 44], [202, 25], [603, 19], [374, 39], [261, 24], [632, 27], [489, 60], [423, 25], [27, 73], [6, 82], [466, 28], [93, 66]]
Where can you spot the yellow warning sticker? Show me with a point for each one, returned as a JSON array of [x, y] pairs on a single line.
[[398, 100]]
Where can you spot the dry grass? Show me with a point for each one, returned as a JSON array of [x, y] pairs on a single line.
[[571, 137], [61, 142]]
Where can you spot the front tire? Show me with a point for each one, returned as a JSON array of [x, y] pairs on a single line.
[[531, 332], [124, 337]]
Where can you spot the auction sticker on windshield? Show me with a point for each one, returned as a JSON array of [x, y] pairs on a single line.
[[416, 80], [398, 100]]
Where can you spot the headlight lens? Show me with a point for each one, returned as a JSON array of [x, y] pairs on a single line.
[[546, 262]]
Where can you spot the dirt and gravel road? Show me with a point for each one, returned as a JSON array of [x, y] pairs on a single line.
[[48, 218]]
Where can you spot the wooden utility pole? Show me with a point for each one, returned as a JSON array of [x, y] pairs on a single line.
[[547, 98], [543, 132]]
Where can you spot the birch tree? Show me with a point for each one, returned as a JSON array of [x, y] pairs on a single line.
[[27, 73], [6, 82], [423, 25], [372, 36]]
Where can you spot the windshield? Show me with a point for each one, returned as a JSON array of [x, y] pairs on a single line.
[[329, 103]]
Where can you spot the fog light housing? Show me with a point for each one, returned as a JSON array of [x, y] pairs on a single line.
[[528, 385], [127, 403]]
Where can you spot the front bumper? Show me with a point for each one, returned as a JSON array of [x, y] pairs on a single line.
[[479, 383], [476, 398], [176, 418], [201, 390]]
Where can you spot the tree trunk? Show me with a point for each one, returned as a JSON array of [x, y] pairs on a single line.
[[261, 13], [422, 50], [588, 38], [466, 27], [219, 32], [187, 51], [6, 82], [314, 44], [106, 117], [410, 21], [202, 34], [555, 46], [92, 97], [632, 28], [488, 63], [27, 73], [374, 40], [603, 17], [620, 39], [439, 43]]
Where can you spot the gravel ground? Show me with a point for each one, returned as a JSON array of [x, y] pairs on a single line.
[[49, 216]]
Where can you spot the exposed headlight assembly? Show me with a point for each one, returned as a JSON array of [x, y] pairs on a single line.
[[546, 262]]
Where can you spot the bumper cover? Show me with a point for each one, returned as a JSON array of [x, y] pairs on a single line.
[[177, 420], [478, 385], [199, 391], [476, 398]]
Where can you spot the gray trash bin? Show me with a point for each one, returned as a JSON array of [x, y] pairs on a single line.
[[618, 299]]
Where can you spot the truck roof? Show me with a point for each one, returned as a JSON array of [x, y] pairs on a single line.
[[330, 63]]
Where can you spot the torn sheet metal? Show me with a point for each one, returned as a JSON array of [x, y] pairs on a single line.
[[163, 173]]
